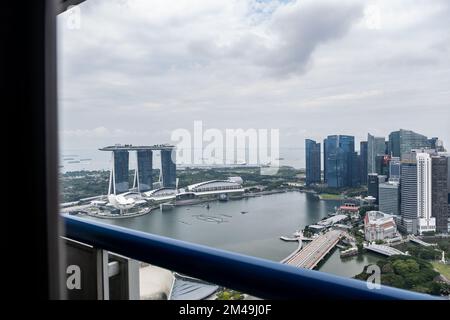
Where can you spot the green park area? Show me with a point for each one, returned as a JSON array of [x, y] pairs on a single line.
[[226, 294], [329, 196], [442, 268], [411, 273]]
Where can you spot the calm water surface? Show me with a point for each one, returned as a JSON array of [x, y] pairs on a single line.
[[256, 232]]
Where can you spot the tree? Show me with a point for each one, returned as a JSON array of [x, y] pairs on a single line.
[[363, 210], [360, 247], [408, 272], [404, 267]]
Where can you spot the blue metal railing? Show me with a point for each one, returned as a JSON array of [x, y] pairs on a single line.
[[258, 277]]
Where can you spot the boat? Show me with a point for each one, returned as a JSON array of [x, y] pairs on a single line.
[[244, 212]]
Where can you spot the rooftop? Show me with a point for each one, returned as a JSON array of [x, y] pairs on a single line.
[[378, 217], [130, 147], [332, 220]]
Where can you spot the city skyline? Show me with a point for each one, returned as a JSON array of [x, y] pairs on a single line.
[[407, 175], [220, 62]]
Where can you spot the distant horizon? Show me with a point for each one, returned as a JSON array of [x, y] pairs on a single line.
[[296, 161], [153, 68]]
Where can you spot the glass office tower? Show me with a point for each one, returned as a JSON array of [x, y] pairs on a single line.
[[382, 163], [389, 198], [330, 144], [337, 168], [120, 171], [363, 162], [394, 144], [355, 176], [144, 170], [375, 146], [341, 161], [168, 168], [394, 169], [313, 167], [408, 194], [410, 140]]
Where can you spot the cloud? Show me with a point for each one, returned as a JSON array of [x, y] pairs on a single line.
[[136, 70], [301, 26], [101, 132], [327, 100]]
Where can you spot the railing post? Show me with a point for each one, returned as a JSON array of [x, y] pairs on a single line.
[[134, 292], [96, 274], [123, 278], [86, 271], [102, 274]]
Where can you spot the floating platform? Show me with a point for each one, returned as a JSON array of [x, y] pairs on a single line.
[[288, 238]]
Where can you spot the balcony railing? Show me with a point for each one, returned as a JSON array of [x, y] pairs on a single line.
[[261, 278]]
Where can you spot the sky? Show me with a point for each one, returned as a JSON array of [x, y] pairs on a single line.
[[134, 71]]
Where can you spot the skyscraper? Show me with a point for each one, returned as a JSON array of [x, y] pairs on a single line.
[[372, 185], [144, 179], [439, 192], [389, 198], [330, 145], [410, 140], [168, 168], [313, 167], [340, 161], [394, 169], [424, 202], [408, 195], [355, 176], [433, 143], [436, 144], [347, 143], [382, 164], [394, 144], [120, 173], [337, 168], [363, 162], [375, 146]]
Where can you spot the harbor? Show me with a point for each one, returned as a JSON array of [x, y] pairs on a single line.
[[256, 233]]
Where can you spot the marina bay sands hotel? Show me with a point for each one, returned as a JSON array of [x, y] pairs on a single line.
[[118, 182]]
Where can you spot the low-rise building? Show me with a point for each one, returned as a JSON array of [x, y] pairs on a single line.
[[328, 222], [379, 226]]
